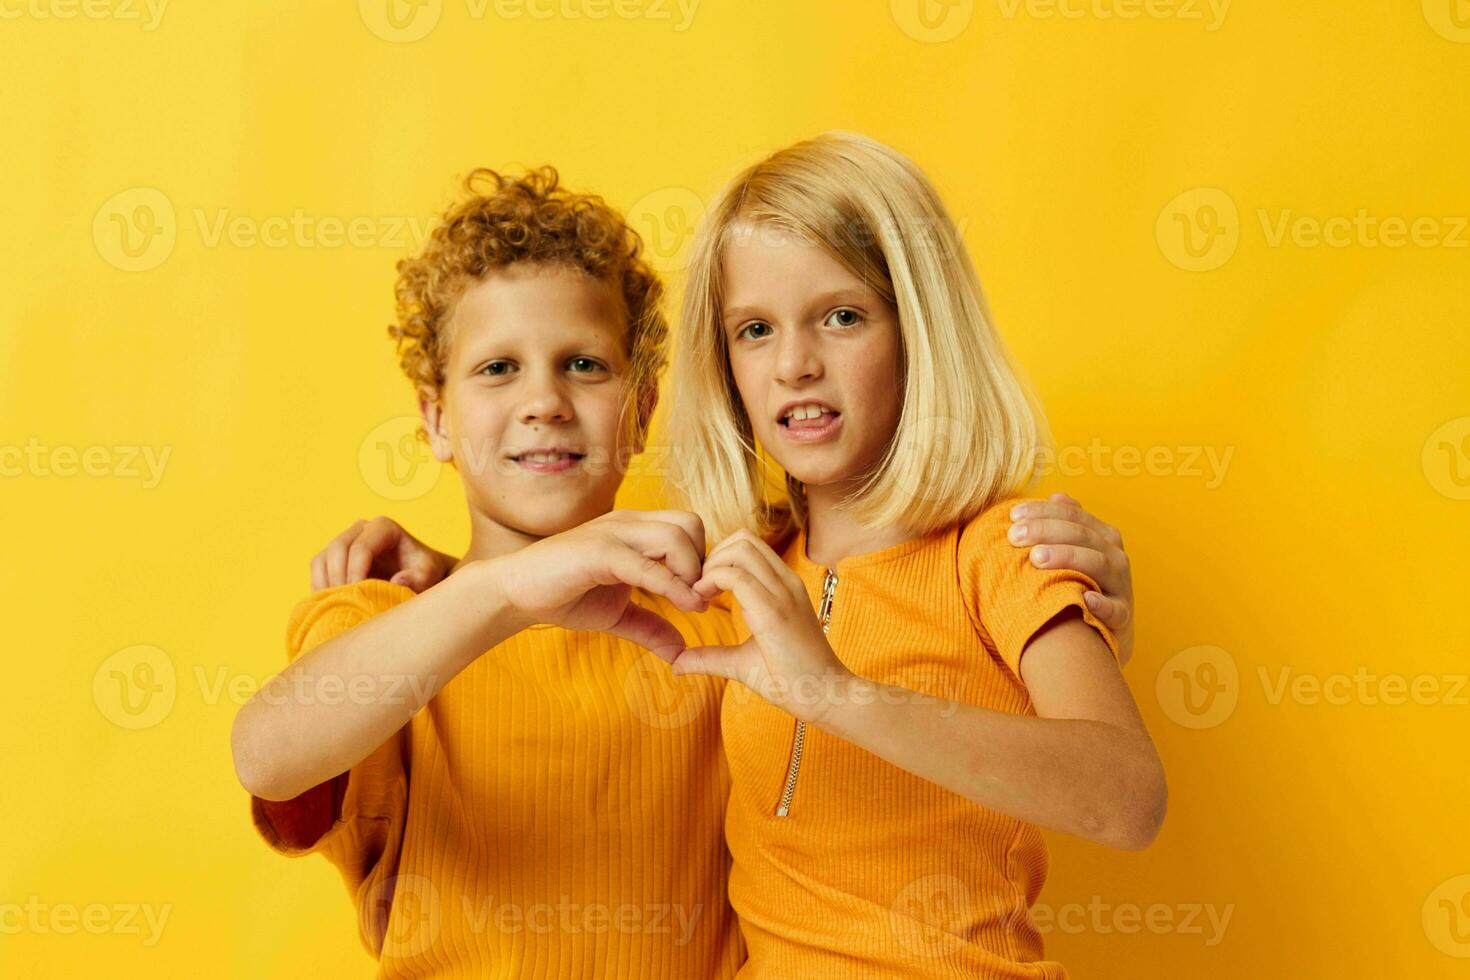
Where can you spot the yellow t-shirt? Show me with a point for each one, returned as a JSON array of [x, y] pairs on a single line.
[[555, 811], [875, 872]]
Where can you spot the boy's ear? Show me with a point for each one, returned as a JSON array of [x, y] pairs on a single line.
[[647, 402], [431, 410]]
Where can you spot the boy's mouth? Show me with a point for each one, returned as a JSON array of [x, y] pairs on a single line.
[[555, 460]]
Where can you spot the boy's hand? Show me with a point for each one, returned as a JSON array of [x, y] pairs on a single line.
[[1075, 539], [787, 659], [581, 579], [379, 548]]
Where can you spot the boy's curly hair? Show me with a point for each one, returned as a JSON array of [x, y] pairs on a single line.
[[503, 221]]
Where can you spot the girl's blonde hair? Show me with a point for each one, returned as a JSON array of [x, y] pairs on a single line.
[[969, 429]]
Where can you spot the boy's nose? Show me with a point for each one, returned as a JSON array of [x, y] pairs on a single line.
[[544, 401]]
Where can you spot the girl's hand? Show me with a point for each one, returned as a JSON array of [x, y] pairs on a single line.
[[379, 548], [1061, 534], [787, 659]]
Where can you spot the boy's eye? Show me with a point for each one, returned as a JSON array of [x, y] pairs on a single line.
[[583, 365], [497, 368], [753, 326], [845, 318]]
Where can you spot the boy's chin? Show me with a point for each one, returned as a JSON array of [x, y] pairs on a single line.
[[546, 517]]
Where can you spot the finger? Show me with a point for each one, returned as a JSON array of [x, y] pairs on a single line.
[[319, 571], [741, 554], [1114, 613], [1065, 509], [729, 662], [1088, 561], [1033, 531], [650, 631], [767, 554], [752, 595], [416, 579], [628, 566], [689, 521], [663, 542], [337, 554], [378, 538]]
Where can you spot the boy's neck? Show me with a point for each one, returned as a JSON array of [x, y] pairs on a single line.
[[832, 535], [491, 539]]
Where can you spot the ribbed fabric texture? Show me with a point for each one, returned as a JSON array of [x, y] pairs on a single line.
[[876, 872], [555, 811]]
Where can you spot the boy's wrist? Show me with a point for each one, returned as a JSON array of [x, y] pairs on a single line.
[[486, 579]]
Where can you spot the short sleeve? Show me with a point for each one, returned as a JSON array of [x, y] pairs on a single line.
[[355, 819], [1010, 599]]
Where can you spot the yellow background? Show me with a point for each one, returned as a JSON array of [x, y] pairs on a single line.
[[1077, 151]]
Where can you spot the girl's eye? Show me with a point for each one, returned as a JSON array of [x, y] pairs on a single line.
[[497, 368], [753, 326], [845, 318], [583, 365]]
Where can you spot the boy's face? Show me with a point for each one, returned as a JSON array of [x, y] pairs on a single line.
[[529, 411]]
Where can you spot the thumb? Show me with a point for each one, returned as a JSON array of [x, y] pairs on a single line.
[[650, 631], [1113, 613], [409, 578], [712, 661]]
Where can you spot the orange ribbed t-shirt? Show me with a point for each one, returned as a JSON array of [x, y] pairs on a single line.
[[554, 812], [875, 872]]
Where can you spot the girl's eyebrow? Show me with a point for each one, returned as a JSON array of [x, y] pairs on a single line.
[[849, 294]]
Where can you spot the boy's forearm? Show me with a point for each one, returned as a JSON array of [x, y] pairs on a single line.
[[338, 702], [1080, 777]]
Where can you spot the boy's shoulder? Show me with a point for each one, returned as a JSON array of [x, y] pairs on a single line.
[[328, 612]]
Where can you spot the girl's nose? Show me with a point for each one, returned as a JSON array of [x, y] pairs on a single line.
[[796, 359]]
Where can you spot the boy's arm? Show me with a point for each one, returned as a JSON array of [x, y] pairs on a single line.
[[1075, 539], [339, 701]]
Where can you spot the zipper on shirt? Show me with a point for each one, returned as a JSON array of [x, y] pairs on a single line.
[[798, 741]]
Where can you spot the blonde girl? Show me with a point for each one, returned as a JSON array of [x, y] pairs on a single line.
[[915, 697]]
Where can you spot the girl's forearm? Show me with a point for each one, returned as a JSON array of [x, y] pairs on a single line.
[[339, 701], [1081, 777]]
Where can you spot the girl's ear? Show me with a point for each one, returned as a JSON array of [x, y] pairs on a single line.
[[431, 410]]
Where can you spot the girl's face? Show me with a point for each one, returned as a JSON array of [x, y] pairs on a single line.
[[816, 354], [530, 410]]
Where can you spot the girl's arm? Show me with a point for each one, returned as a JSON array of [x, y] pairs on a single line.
[[339, 701], [1085, 765]]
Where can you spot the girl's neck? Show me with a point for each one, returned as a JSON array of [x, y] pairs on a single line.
[[832, 535]]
